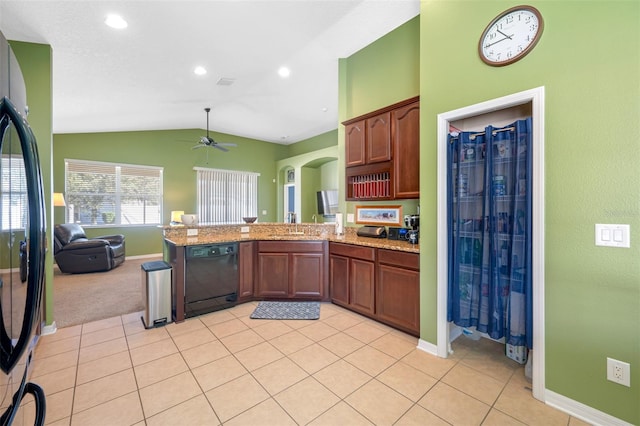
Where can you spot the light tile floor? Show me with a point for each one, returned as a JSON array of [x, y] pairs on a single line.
[[225, 368]]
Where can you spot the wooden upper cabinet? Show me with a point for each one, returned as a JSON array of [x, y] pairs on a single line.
[[382, 153], [355, 144], [406, 151], [378, 136]]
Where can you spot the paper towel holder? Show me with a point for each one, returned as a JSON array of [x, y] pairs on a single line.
[[339, 224]]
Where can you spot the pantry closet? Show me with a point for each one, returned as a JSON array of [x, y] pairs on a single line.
[[489, 229]]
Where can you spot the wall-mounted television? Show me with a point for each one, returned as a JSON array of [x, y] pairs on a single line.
[[328, 202]]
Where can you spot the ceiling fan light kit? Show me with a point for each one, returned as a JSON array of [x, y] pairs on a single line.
[[207, 141]]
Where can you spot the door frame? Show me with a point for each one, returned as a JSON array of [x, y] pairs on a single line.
[[536, 98], [285, 204]]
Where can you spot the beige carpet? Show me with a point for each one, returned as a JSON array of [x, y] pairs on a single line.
[[82, 298]]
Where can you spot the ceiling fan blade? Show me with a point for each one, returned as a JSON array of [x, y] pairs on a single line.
[[220, 147], [198, 146], [226, 144]]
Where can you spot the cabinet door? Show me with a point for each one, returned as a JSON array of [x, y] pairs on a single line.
[[339, 279], [378, 138], [362, 286], [406, 150], [246, 268], [307, 275], [273, 275], [398, 297], [354, 144]]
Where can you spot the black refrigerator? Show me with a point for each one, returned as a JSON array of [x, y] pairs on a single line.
[[22, 248]]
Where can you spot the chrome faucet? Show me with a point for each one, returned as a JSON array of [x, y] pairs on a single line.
[[315, 219]]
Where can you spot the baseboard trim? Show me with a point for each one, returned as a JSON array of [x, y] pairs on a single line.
[[582, 411], [144, 256], [427, 347], [49, 329], [555, 400]]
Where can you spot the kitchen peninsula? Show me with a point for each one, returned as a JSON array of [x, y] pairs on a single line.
[[376, 277]]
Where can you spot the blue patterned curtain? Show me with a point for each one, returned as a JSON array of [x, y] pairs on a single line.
[[489, 194]]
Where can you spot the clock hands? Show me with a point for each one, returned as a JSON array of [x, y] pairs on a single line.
[[506, 37]]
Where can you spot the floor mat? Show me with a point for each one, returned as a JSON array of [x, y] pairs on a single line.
[[287, 310]]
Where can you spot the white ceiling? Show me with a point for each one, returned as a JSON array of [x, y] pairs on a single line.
[[141, 78]]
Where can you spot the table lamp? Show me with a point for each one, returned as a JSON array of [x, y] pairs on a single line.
[[176, 217], [58, 200]]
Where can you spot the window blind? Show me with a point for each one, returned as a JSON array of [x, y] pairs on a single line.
[[14, 193], [100, 193], [226, 196]]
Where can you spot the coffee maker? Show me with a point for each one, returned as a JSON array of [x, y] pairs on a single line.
[[412, 221]]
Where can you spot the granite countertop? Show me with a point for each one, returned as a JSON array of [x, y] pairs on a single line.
[[180, 235]]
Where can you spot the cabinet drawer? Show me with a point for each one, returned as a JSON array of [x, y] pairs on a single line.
[[349, 250], [290, 246], [398, 258]]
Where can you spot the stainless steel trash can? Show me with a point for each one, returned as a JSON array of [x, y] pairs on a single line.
[[156, 291]]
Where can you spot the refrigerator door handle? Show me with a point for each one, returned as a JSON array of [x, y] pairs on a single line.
[[10, 353]]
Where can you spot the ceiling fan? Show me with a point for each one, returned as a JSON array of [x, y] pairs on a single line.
[[206, 141]]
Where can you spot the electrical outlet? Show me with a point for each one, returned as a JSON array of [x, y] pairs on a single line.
[[619, 372]]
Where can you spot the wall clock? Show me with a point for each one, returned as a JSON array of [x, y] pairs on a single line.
[[510, 36]]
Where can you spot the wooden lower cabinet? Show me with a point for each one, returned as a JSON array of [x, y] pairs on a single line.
[[352, 277], [246, 265], [361, 286], [291, 270], [380, 283], [398, 289], [273, 275], [306, 276], [339, 279]]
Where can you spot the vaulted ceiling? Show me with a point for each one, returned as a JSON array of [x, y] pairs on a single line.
[[142, 77]]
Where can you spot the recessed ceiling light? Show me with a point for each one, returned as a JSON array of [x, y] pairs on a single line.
[[284, 72], [199, 71], [116, 21], [325, 109]]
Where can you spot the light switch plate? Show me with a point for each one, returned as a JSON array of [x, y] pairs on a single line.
[[244, 229], [613, 235], [350, 218], [192, 232]]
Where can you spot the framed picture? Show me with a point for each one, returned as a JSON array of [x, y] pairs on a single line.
[[291, 175], [379, 215]]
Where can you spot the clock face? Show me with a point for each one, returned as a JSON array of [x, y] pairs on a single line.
[[510, 36]]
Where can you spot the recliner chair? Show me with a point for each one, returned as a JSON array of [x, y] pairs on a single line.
[[76, 254]]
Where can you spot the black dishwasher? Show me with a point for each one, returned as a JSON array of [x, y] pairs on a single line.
[[211, 278]]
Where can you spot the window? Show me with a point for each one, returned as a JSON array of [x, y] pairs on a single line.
[[14, 193], [113, 194], [226, 196]]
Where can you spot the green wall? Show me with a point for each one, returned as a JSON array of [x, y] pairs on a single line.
[[324, 140], [170, 149], [310, 174], [383, 73], [589, 64], [36, 63], [309, 157], [311, 178]]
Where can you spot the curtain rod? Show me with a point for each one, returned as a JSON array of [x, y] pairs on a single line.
[[474, 135]]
